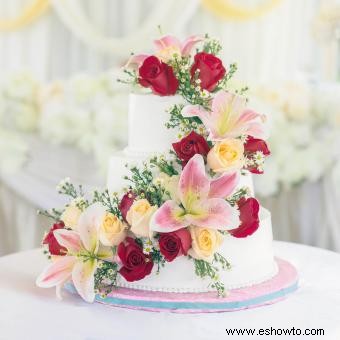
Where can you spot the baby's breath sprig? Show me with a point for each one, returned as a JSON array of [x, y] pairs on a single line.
[[240, 193], [143, 186], [105, 278], [53, 214], [131, 77], [212, 45], [184, 124], [242, 91], [204, 269], [65, 187], [111, 201], [225, 264], [222, 85], [189, 86], [164, 165]]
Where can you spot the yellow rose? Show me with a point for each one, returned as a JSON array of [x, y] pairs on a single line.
[[205, 242], [226, 155], [112, 230], [139, 216], [70, 216]]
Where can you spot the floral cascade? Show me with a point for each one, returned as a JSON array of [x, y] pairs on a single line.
[[183, 203]]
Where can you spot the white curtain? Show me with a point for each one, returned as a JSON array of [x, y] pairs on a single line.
[[277, 45]]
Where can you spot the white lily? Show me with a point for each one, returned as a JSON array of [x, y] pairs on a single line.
[[84, 252]]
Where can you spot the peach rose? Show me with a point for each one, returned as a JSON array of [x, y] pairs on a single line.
[[139, 216], [112, 230], [70, 216], [205, 242], [226, 155]]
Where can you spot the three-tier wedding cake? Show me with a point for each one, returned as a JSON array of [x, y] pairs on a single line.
[[179, 227]]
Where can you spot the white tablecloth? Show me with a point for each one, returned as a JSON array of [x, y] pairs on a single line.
[[28, 312]]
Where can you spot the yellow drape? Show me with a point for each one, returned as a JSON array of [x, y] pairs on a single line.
[[27, 15], [228, 10]]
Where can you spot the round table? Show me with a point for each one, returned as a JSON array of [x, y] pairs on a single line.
[[28, 312]]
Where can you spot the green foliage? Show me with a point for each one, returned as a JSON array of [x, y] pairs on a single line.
[[110, 201], [53, 214], [143, 186], [158, 259], [204, 269], [222, 85], [163, 165], [185, 124], [131, 77], [212, 45], [105, 278], [242, 192]]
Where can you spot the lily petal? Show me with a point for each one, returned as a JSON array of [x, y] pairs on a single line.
[[214, 213], [194, 184], [83, 279], [136, 60], [169, 217], [167, 41], [189, 43], [257, 130], [68, 239], [223, 186], [104, 253], [89, 224], [196, 110], [57, 272], [226, 109]]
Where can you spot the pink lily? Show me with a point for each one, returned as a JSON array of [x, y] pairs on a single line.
[[83, 255], [201, 203], [166, 47], [228, 117], [169, 45]]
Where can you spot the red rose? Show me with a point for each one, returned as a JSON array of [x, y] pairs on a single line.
[[126, 202], [174, 244], [158, 76], [211, 70], [53, 246], [190, 145], [251, 146], [136, 265], [249, 217]]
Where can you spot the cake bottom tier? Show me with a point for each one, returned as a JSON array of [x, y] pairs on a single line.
[[251, 259], [270, 291]]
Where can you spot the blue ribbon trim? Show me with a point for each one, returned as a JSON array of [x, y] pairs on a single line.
[[173, 305]]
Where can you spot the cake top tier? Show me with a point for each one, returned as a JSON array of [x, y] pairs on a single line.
[[147, 118]]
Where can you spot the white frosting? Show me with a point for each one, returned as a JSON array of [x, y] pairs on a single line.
[[251, 258], [147, 119]]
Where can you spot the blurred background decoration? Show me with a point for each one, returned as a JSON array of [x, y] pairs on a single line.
[[62, 112]]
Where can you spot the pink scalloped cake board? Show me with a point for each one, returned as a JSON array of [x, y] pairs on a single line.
[[282, 284]]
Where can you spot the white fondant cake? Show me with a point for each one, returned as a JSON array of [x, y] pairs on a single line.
[[147, 136], [251, 258]]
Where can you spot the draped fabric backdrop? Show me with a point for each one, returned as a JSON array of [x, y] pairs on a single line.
[[276, 46]]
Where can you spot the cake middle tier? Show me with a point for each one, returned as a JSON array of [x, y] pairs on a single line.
[[147, 118], [117, 170]]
